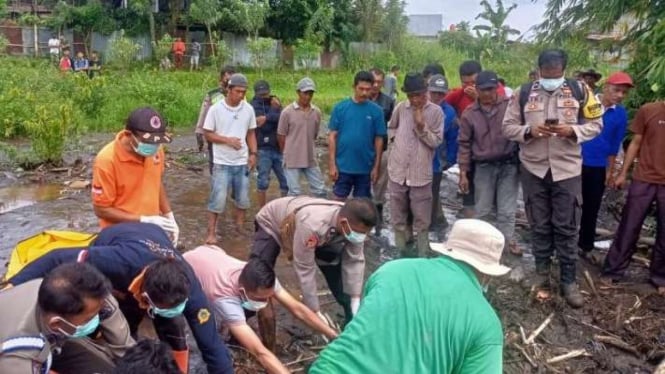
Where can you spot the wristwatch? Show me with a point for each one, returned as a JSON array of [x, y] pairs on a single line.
[[527, 133]]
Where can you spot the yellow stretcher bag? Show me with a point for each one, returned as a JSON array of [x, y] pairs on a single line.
[[34, 247]]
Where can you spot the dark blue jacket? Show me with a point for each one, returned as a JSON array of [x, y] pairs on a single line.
[[266, 135], [596, 151], [445, 154], [121, 252]]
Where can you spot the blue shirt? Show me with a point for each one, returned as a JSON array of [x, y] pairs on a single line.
[[357, 126], [121, 252], [448, 147], [596, 150]]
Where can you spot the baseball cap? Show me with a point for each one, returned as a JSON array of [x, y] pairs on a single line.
[[476, 243], [306, 84], [148, 125], [620, 78], [261, 88], [487, 79], [438, 83], [238, 80]]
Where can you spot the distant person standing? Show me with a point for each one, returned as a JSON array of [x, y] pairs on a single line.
[[416, 129], [127, 175], [65, 61], [195, 53], [54, 48], [591, 78], [599, 156], [230, 126], [387, 104], [297, 131], [390, 85], [355, 141], [267, 109], [445, 155], [178, 49], [81, 64], [95, 64], [647, 187], [212, 97]]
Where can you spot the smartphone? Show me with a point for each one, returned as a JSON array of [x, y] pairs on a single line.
[[551, 122]]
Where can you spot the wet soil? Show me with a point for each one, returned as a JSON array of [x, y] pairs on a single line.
[[629, 312]]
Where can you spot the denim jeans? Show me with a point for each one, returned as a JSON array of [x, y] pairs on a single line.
[[235, 177], [317, 186], [270, 159]]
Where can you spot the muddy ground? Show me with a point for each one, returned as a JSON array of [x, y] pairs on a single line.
[[621, 329]]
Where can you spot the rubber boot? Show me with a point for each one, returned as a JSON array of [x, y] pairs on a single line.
[[182, 360], [379, 221], [571, 292], [400, 243], [410, 240], [422, 244]]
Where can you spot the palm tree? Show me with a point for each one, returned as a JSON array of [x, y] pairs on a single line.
[[497, 29]]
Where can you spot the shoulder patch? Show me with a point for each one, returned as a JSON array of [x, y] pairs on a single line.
[[203, 316]]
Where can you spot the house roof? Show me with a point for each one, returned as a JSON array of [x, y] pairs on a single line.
[[425, 25]]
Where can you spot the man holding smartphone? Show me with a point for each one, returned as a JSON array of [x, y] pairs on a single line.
[[555, 117]]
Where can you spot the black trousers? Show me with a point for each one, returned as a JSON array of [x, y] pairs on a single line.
[[553, 210], [593, 188], [469, 200]]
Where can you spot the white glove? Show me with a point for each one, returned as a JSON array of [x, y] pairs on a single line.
[[176, 232], [163, 222], [355, 304]]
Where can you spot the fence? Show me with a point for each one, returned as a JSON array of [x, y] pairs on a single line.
[[23, 40]]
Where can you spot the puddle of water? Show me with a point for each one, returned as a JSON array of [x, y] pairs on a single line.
[[15, 197]]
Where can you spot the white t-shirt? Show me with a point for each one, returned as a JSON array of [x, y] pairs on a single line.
[[54, 44], [233, 122]]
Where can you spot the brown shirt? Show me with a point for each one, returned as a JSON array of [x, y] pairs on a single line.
[[480, 136], [650, 123], [301, 127], [315, 227], [563, 156], [412, 151]]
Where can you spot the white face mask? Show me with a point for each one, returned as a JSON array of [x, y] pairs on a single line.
[[551, 84]]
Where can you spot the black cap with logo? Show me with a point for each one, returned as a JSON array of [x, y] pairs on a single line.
[[148, 126]]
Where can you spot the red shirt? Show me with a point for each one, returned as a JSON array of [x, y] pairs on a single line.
[[65, 64], [460, 101], [179, 48]]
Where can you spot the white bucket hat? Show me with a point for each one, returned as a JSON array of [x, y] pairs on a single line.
[[477, 243]]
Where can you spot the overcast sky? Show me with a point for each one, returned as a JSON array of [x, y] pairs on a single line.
[[526, 14]]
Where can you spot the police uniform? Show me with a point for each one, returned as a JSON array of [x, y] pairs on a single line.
[[212, 97], [551, 168], [27, 346], [122, 252], [315, 241]]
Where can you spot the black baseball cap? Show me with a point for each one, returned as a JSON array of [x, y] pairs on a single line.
[[148, 126], [261, 88], [487, 79]]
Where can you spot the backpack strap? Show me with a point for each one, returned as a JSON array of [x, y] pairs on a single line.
[[578, 93]]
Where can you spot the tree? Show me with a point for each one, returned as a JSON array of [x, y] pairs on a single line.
[[393, 24], [497, 29], [85, 19], [645, 31], [287, 20], [368, 14], [208, 13]]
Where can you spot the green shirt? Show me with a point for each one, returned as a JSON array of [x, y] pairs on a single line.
[[419, 316]]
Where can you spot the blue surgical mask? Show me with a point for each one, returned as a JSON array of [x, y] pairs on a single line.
[[83, 330], [251, 305], [145, 149], [174, 312], [352, 236], [551, 84]]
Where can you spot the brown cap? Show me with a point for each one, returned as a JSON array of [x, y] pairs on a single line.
[[148, 125]]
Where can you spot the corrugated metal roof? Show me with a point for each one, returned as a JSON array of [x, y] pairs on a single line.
[[427, 25]]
